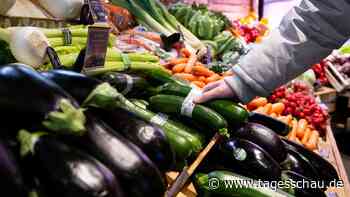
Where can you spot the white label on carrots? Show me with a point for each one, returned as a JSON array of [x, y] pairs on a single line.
[[188, 105], [159, 119], [129, 84]]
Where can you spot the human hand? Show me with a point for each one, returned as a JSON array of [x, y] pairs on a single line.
[[215, 90]]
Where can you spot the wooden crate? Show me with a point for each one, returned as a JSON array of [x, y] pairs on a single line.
[[330, 151]]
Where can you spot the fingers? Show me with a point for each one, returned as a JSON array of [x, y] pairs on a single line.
[[211, 86], [209, 95]]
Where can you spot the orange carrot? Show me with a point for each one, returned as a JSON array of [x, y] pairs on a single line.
[[200, 84], [202, 71], [258, 102], [178, 61], [202, 79], [311, 144], [212, 78], [227, 73], [178, 68], [273, 115], [306, 136], [185, 52], [302, 125], [289, 119], [267, 108], [293, 133], [192, 60], [185, 76], [277, 108]]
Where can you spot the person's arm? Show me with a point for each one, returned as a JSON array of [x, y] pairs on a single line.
[[308, 33]]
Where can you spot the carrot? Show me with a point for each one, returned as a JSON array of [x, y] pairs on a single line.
[[200, 84], [306, 136], [258, 102], [227, 73], [212, 78], [185, 76], [185, 52], [178, 68], [202, 79], [178, 61], [277, 108], [302, 125], [293, 133], [192, 60], [311, 144], [273, 115], [267, 108], [202, 71], [289, 119]]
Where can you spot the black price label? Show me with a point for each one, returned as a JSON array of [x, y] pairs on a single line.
[[96, 46]]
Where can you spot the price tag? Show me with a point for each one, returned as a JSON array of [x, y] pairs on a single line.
[[98, 35], [97, 11]]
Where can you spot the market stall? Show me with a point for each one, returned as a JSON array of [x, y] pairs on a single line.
[[99, 101]]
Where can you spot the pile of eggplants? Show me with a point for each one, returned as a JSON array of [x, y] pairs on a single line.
[[51, 144], [257, 152]]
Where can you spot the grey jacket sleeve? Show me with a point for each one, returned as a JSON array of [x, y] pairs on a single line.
[[308, 33]]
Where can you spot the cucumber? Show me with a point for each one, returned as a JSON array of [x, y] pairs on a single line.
[[205, 184], [232, 112], [204, 115]]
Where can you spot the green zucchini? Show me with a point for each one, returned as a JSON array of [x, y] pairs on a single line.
[[225, 183], [204, 115], [232, 112]]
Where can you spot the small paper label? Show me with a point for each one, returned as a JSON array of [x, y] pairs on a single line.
[[96, 47], [129, 84], [159, 119], [188, 105]]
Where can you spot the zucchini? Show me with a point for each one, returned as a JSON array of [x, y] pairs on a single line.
[[204, 183], [232, 112], [172, 105]]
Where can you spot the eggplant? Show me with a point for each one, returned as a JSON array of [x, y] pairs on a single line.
[[31, 100], [149, 138], [325, 170], [76, 84], [275, 125], [127, 84], [298, 164], [265, 138], [248, 159], [295, 179], [67, 171], [11, 178], [137, 173]]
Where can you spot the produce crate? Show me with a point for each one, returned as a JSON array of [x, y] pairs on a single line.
[[336, 79], [328, 96], [330, 151]]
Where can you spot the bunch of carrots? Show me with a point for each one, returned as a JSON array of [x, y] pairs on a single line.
[[188, 68], [301, 131]]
